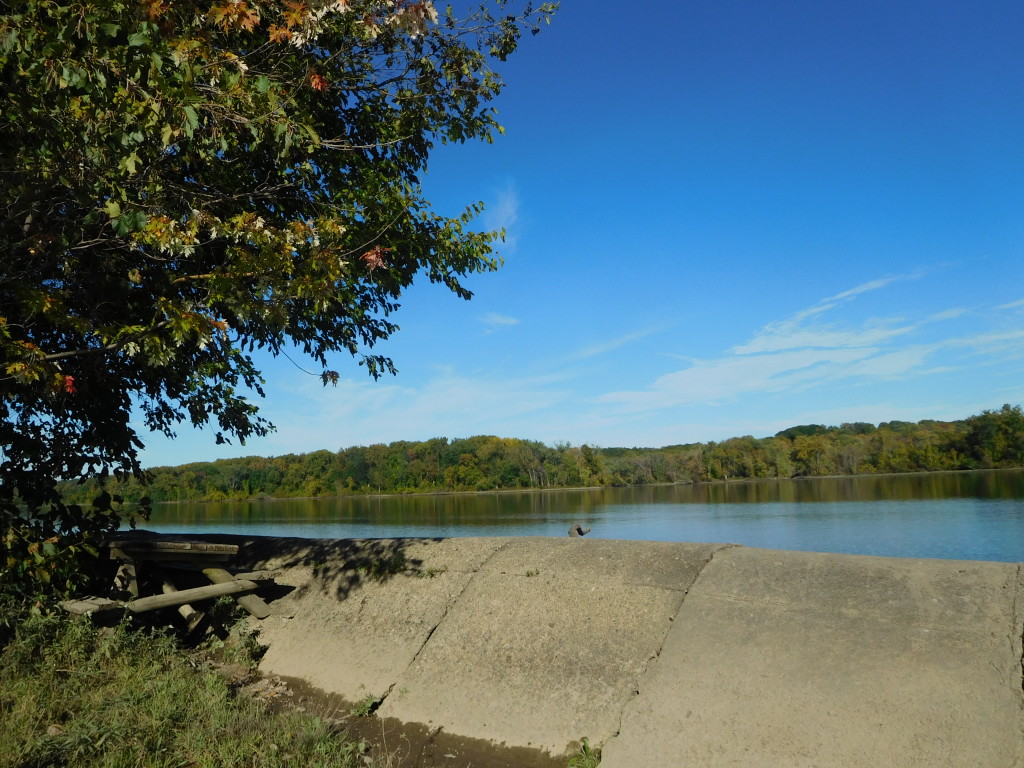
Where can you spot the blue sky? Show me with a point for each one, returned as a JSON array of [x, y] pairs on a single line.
[[724, 218]]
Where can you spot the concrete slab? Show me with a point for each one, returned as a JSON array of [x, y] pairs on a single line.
[[354, 614], [661, 564], [548, 641], [803, 659]]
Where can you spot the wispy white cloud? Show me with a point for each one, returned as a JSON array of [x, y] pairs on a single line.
[[502, 212], [1012, 305], [894, 364], [612, 344], [777, 337], [801, 330], [832, 302], [721, 379], [494, 319], [1005, 343], [948, 314], [804, 329], [803, 352], [871, 285], [446, 404]]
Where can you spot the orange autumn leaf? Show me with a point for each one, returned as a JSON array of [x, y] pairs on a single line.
[[319, 82], [296, 14], [234, 14], [155, 8], [374, 258], [249, 20], [278, 34]]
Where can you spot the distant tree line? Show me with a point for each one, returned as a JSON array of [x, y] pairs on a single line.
[[992, 439]]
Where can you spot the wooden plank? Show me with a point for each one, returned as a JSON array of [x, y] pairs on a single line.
[[131, 553], [90, 605], [252, 603], [160, 550], [237, 586], [174, 545]]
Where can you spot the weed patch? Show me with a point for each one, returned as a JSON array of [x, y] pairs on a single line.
[[587, 757], [74, 695], [366, 707]]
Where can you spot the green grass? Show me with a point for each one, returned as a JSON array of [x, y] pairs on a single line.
[[366, 707], [587, 757], [74, 695]]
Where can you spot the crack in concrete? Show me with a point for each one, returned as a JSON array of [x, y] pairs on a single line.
[[684, 591], [700, 571], [447, 608]]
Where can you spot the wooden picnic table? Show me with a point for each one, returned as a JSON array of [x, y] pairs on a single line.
[[161, 553]]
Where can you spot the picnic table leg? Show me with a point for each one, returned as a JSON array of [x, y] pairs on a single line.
[[126, 579], [252, 603], [191, 616]]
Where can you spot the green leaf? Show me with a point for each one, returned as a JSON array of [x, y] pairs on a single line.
[[132, 221], [191, 121], [137, 39]]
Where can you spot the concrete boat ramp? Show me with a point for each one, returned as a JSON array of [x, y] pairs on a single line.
[[661, 654]]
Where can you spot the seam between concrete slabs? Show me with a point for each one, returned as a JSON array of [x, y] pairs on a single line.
[[448, 606], [684, 591]]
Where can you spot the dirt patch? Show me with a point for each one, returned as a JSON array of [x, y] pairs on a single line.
[[402, 745]]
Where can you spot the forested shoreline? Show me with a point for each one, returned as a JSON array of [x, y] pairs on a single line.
[[991, 439]]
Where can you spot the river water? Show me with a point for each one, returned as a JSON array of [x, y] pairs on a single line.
[[959, 515]]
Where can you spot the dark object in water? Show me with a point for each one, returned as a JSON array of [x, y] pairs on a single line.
[[578, 530]]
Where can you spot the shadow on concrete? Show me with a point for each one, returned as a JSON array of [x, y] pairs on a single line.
[[339, 566]]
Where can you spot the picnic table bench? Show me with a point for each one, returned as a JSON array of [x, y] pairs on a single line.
[[160, 553]]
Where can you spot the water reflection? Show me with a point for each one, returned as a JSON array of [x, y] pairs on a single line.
[[966, 515]]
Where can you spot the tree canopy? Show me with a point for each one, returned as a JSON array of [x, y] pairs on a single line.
[[185, 182], [991, 439]]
